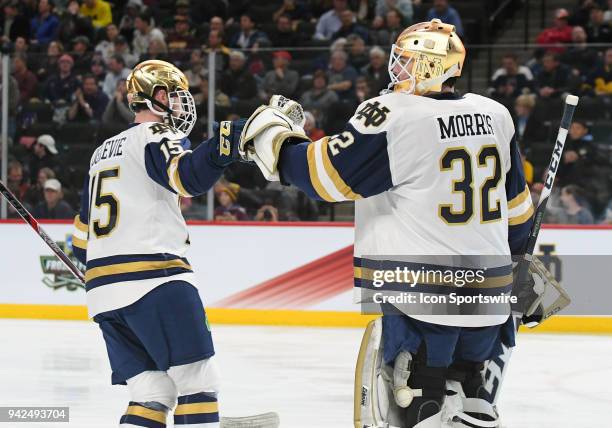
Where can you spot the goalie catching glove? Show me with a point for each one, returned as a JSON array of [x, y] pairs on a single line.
[[268, 128]]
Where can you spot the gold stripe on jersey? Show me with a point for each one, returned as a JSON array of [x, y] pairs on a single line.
[[357, 272], [489, 282], [314, 174], [519, 199], [522, 218], [79, 224], [334, 176], [79, 234], [79, 243], [143, 412], [130, 267], [174, 178], [193, 408]]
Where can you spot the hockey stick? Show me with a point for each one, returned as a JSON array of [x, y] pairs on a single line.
[[25, 214], [496, 369], [265, 420], [523, 292]]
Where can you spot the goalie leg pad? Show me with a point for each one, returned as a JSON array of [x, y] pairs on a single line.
[[374, 405], [375, 401], [475, 409], [429, 383]]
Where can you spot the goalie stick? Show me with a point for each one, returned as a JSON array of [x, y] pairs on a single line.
[[496, 369], [265, 420]]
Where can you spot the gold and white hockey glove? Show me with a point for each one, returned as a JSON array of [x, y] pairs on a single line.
[[544, 288], [268, 128], [292, 109]]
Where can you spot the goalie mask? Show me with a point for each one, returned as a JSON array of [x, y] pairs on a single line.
[[147, 77], [424, 56]]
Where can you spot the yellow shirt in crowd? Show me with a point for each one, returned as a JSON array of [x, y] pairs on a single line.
[[100, 13], [528, 170]]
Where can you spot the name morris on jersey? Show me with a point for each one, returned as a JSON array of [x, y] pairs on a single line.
[[464, 125]]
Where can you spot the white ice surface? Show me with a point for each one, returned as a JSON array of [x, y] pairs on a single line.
[[304, 374]]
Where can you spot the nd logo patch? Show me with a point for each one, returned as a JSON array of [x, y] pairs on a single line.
[[373, 114], [56, 274]]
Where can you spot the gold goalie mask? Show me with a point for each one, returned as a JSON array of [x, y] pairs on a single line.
[[424, 56], [147, 77]]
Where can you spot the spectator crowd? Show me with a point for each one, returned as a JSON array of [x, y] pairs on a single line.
[[70, 60], [573, 55]]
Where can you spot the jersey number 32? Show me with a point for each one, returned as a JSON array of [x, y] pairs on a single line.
[[461, 156]]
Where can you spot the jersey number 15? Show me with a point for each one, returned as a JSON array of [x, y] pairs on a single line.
[[104, 200]]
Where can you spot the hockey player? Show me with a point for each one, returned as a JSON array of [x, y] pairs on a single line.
[[131, 235], [432, 172]]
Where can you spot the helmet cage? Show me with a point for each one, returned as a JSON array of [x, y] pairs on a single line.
[[411, 70], [399, 68], [182, 110]]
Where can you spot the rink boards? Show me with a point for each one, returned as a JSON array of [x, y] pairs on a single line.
[[285, 274]]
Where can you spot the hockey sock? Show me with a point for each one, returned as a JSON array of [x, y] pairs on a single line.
[[137, 415], [199, 410]]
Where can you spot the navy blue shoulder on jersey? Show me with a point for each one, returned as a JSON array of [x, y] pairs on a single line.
[[350, 165], [364, 165], [515, 178], [182, 171], [155, 164], [520, 208]]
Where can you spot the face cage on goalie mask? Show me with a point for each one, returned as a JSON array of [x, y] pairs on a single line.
[[399, 67], [398, 62]]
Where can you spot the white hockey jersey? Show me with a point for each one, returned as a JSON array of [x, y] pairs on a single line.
[[437, 183], [130, 230]]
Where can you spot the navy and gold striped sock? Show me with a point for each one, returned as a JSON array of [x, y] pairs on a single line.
[[139, 416], [199, 410]]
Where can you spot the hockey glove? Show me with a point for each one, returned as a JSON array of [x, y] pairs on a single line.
[[226, 137], [540, 281], [268, 128], [292, 109]]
